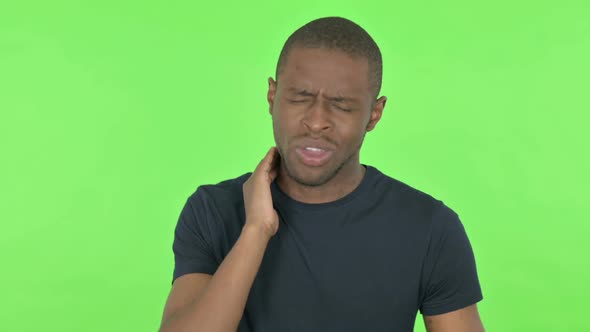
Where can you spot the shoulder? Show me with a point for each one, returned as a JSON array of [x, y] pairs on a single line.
[[416, 208], [227, 191], [408, 199]]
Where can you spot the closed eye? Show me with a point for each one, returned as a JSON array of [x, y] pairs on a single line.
[[294, 101], [343, 109], [297, 101]]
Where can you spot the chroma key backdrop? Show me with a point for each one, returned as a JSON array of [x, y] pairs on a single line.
[[113, 112]]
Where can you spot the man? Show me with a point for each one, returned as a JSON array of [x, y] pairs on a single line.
[[313, 240]]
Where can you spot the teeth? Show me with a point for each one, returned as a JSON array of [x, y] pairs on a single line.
[[314, 149]]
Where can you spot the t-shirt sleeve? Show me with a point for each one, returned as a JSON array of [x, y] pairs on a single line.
[[450, 280], [192, 244]]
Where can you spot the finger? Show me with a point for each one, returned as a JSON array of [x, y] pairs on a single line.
[[274, 166], [273, 174], [266, 163]]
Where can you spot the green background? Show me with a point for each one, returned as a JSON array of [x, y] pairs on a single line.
[[112, 113]]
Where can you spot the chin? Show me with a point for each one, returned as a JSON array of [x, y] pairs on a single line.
[[311, 176]]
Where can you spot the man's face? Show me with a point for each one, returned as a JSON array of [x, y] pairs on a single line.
[[321, 109]]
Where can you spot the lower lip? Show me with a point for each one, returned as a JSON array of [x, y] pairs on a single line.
[[311, 158]]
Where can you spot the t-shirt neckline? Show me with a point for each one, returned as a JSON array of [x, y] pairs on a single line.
[[288, 202]]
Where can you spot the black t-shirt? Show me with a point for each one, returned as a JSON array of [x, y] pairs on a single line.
[[368, 261]]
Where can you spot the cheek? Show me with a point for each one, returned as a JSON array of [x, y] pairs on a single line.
[[354, 134], [281, 127], [283, 121]]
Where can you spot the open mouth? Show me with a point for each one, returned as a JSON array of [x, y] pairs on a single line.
[[312, 156]]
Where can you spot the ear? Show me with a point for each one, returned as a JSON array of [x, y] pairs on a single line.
[[376, 112], [270, 96]]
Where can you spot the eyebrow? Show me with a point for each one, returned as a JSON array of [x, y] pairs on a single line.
[[305, 93]]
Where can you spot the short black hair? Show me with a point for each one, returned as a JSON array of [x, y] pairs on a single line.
[[340, 34]]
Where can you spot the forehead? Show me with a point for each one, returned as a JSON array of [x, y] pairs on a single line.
[[331, 71]]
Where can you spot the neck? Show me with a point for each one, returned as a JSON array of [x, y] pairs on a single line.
[[343, 183]]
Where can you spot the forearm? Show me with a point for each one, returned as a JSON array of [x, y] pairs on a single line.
[[220, 306]]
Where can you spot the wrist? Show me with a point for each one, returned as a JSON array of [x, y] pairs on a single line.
[[258, 231]]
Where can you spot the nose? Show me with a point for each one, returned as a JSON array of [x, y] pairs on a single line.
[[317, 117]]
